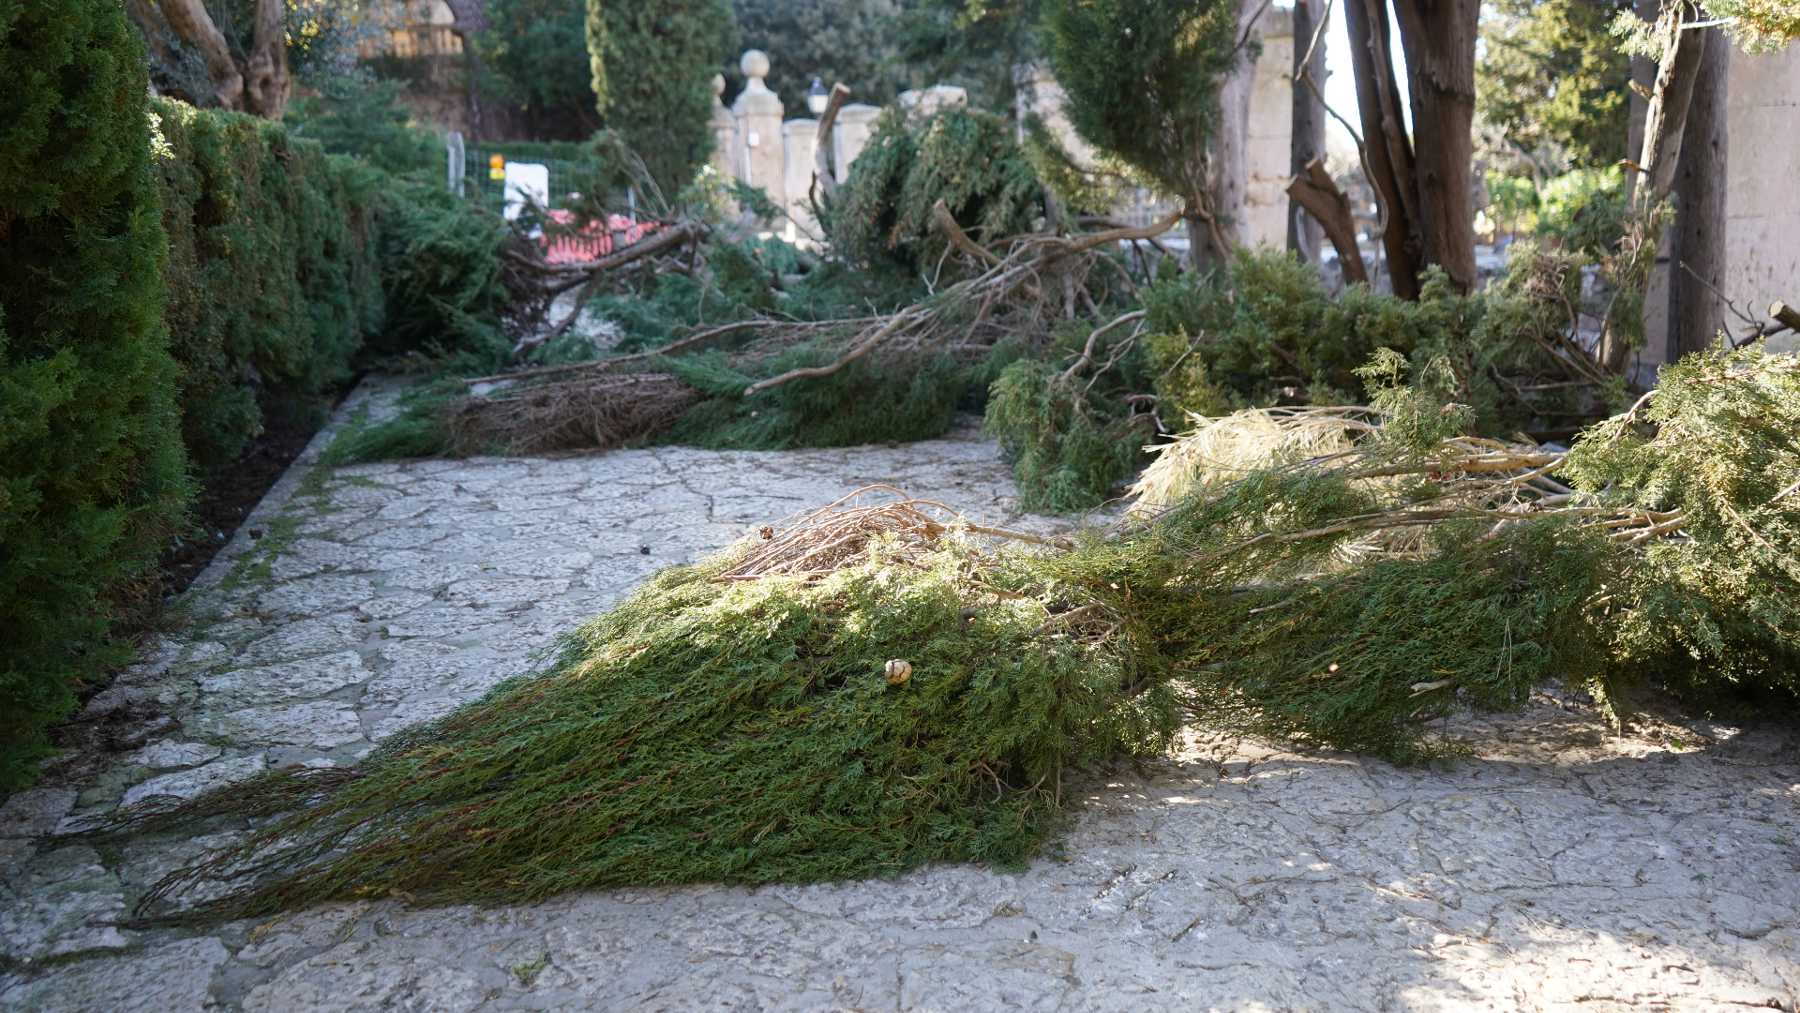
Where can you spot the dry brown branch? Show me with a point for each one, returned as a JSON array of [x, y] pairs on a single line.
[[586, 414], [823, 180], [612, 363], [1086, 358], [1787, 315], [1318, 193], [946, 223]]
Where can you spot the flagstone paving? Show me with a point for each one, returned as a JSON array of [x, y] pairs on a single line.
[[1560, 866]]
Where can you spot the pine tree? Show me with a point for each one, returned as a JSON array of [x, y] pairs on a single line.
[[1143, 79]]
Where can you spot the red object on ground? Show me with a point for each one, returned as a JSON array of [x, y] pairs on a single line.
[[595, 240]]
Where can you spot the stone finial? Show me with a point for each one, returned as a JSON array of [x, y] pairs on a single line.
[[755, 65], [718, 86]]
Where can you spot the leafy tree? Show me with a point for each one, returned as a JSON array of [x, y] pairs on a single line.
[[853, 41], [1143, 80], [1553, 82], [91, 470], [534, 54], [652, 65], [975, 44]]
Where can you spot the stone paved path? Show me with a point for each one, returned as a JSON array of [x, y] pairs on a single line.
[[1561, 867]]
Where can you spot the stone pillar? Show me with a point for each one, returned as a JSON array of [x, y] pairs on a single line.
[[1267, 149], [724, 132], [758, 157], [1039, 94], [800, 147], [924, 102], [855, 123], [1762, 258]]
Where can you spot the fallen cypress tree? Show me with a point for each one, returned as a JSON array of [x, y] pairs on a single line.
[[881, 686]]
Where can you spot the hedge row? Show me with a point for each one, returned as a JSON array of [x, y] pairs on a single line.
[[272, 278], [91, 471], [169, 276]]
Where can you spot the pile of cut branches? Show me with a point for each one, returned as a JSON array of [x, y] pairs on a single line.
[[1039, 280], [878, 685]]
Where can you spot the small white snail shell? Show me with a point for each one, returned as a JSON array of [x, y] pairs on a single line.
[[898, 671]]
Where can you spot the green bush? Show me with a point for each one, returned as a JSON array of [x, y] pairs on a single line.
[[1267, 331], [364, 118], [443, 277], [91, 474], [1584, 210], [965, 158], [272, 277]]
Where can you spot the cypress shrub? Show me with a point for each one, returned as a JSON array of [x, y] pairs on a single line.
[[91, 469], [272, 275]]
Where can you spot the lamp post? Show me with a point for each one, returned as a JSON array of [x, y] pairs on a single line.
[[816, 97]]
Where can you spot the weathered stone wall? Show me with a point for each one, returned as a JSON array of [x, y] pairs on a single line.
[[1271, 128], [1762, 207]]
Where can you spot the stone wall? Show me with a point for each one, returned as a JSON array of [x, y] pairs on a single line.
[[1762, 212]]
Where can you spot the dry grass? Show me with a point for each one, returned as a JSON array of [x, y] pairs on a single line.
[[842, 533], [585, 414]]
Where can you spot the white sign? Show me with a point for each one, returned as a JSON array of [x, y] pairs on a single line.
[[525, 181]]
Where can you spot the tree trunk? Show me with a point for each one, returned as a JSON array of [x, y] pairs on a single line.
[[1386, 148], [1439, 40], [1314, 190], [1643, 75], [191, 24], [1665, 120], [1308, 123], [1697, 274], [266, 82]]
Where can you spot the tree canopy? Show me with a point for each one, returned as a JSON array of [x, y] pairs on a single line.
[[1143, 78], [652, 69], [1553, 82]]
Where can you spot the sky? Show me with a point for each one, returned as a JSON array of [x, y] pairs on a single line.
[[1340, 88]]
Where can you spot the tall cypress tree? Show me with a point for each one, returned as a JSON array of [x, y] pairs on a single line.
[[1143, 79], [91, 471], [653, 64]]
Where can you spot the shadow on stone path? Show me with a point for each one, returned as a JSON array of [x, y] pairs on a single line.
[[1559, 867]]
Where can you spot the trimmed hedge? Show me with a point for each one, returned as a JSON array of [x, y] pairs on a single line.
[[272, 276], [91, 471], [172, 275]]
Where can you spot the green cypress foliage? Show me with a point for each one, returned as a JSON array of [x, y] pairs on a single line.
[[653, 65], [1553, 81], [272, 276], [965, 158], [1143, 77], [91, 473], [749, 730]]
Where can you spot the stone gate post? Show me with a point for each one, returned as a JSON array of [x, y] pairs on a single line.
[[757, 155]]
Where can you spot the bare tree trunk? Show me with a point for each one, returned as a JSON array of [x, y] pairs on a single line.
[[1643, 75], [1665, 121], [1697, 277], [191, 24], [1439, 39], [266, 85], [1308, 123], [1389, 152]]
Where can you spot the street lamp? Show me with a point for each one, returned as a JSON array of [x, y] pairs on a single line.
[[816, 97]]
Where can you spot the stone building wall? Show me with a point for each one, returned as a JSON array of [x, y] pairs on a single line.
[[1762, 200]]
